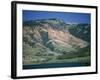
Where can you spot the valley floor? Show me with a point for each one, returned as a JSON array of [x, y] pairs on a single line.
[[74, 62]]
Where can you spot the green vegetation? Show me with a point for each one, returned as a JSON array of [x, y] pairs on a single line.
[[39, 55], [81, 30]]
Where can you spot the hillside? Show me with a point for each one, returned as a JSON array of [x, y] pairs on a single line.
[[52, 40], [81, 31]]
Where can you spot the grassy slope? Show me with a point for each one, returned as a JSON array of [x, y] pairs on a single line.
[[38, 56]]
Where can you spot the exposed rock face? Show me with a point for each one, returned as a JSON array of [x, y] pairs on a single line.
[[65, 38]]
